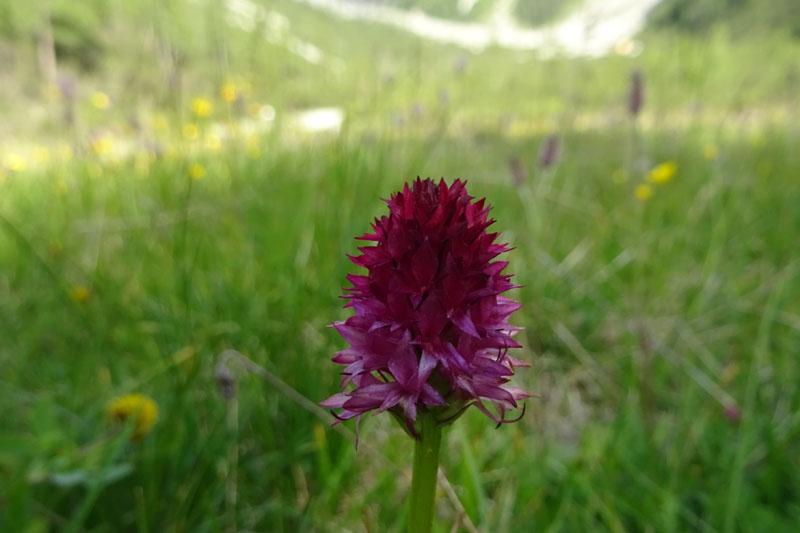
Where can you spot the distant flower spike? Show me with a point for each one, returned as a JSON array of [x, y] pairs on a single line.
[[636, 93], [430, 330]]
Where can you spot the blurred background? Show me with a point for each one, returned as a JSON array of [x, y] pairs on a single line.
[[180, 181]]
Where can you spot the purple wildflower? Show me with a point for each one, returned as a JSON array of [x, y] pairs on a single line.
[[549, 151], [732, 413], [430, 330], [460, 64], [518, 174], [66, 86], [636, 93]]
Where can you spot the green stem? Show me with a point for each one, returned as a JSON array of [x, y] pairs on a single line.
[[423, 482]]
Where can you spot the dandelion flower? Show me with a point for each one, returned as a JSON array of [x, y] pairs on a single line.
[[662, 173], [41, 155], [251, 148], [197, 171], [202, 107], [103, 145], [191, 132], [80, 294], [228, 92], [142, 409], [142, 163], [430, 332], [643, 191], [213, 143], [100, 100], [15, 162]]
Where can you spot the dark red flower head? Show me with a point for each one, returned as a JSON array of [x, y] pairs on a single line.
[[430, 329]]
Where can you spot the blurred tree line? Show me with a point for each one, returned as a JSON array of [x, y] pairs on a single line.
[[83, 33], [742, 16], [83, 37], [55, 29]]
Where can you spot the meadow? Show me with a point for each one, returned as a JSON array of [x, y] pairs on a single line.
[[658, 259]]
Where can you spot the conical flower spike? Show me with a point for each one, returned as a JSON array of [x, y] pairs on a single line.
[[430, 333]]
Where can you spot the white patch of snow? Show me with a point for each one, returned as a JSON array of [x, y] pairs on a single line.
[[593, 30]]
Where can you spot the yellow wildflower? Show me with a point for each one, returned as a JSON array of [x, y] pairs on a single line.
[[662, 173], [103, 145], [135, 406], [643, 191], [202, 107], [41, 155], [213, 143], [142, 163], [100, 100], [228, 92], [80, 294], [191, 132], [15, 162], [252, 149], [197, 171], [710, 151]]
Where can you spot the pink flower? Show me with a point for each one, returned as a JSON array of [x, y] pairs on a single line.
[[430, 328]]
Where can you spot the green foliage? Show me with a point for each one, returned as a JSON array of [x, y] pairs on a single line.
[[743, 16], [75, 32]]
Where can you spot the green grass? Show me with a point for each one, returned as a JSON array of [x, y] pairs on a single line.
[[644, 320]]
